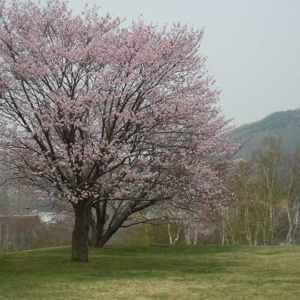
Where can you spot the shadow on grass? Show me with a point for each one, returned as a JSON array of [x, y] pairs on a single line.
[[118, 262], [146, 261]]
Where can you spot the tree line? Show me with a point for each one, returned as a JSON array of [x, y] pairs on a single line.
[[266, 204]]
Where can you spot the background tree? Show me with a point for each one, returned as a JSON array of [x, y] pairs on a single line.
[[105, 116], [265, 207], [290, 203]]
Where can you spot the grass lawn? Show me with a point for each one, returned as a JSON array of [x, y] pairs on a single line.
[[143, 272]]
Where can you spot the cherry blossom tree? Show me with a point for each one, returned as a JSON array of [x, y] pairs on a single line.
[[106, 116]]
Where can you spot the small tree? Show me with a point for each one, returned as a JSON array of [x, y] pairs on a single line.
[[105, 116]]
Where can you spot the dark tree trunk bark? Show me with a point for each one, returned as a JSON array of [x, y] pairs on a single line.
[[80, 233], [101, 234], [106, 236], [95, 235], [97, 220], [103, 226]]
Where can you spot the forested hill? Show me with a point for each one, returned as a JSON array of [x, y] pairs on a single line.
[[284, 124]]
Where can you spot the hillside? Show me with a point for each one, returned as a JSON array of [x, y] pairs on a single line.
[[285, 124]]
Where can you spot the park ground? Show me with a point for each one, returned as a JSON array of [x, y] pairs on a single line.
[[154, 272]]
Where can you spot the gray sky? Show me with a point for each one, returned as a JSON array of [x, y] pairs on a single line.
[[253, 47]]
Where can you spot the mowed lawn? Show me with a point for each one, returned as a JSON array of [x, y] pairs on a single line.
[[147, 272]]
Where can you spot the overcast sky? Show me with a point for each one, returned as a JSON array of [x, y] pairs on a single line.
[[253, 47]]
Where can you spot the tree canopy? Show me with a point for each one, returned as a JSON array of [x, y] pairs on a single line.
[[102, 114]]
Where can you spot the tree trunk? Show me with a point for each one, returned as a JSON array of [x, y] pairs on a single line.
[[99, 237], [98, 219], [196, 228], [103, 228], [96, 233], [80, 233], [111, 230], [107, 235]]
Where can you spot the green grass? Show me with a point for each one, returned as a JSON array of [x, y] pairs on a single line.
[[143, 272]]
